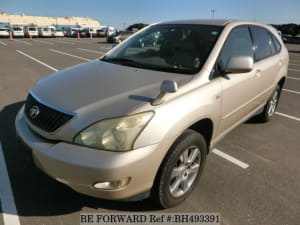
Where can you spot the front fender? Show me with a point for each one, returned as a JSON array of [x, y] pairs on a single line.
[[173, 117]]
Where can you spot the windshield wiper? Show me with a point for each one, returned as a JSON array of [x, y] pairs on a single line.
[[170, 69], [130, 62], [123, 61]]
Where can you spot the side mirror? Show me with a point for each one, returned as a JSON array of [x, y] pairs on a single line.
[[167, 86], [239, 64]]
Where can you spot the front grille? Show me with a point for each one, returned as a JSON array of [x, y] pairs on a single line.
[[47, 119]]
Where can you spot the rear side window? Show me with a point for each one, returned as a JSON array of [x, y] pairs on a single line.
[[238, 43], [276, 44], [265, 44]]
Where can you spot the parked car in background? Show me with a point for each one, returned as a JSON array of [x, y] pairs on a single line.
[[4, 32], [110, 38], [287, 38], [17, 31], [53, 30], [102, 32], [106, 31], [45, 32], [88, 32], [72, 32], [122, 36], [146, 116], [59, 33], [32, 31]]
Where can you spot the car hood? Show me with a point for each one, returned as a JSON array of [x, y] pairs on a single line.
[[98, 86]]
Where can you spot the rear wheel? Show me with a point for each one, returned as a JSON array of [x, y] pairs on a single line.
[[270, 107], [181, 169]]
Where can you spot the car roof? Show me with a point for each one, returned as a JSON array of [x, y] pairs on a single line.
[[216, 22]]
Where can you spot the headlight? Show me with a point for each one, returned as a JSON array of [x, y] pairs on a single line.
[[117, 134]]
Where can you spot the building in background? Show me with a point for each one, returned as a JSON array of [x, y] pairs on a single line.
[[40, 21]]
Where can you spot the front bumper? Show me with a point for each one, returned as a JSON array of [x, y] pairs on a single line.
[[80, 167]]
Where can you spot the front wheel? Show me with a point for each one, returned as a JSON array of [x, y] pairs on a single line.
[[270, 106], [180, 170]]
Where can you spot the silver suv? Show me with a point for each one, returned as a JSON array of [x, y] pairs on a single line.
[[140, 121]]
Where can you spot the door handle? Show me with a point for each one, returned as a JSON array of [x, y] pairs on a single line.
[[280, 62], [258, 73]]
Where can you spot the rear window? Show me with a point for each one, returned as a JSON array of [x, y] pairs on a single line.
[[46, 29], [32, 29], [17, 29], [1, 29]]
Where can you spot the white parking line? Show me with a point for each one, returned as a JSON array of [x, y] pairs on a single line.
[[294, 70], [291, 91], [46, 42], [44, 64], [63, 42], [294, 61], [287, 116], [64, 53], [87, 50], [23, 42], [294, 78], [105, 48], [3, 43], [9, 210], [230, 158]]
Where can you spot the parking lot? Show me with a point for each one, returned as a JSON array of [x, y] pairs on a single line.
[[252, 177]]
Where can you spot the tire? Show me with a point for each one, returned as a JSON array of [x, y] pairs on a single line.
[[270, 107], [181, 169]]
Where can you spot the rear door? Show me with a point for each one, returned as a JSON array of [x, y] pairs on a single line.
[[267, 60]]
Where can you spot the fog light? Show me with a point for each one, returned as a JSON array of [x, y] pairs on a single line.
[[112, 185]]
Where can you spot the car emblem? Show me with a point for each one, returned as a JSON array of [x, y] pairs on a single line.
[[34, 111]]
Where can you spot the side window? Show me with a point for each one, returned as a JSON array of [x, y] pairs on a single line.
[[264, 44], [238, 43], [272, 45], [276, 43]]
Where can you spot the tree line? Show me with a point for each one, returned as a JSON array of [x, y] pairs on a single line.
[[291, 28]]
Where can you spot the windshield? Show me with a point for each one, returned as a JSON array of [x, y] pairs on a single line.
[[46, 29], [177, 48], [18, 28], [32, 29]]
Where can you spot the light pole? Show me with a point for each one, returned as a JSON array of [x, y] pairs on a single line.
[[213, 11], [124, 25]]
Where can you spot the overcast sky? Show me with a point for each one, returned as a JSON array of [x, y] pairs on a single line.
[[122, 13]]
